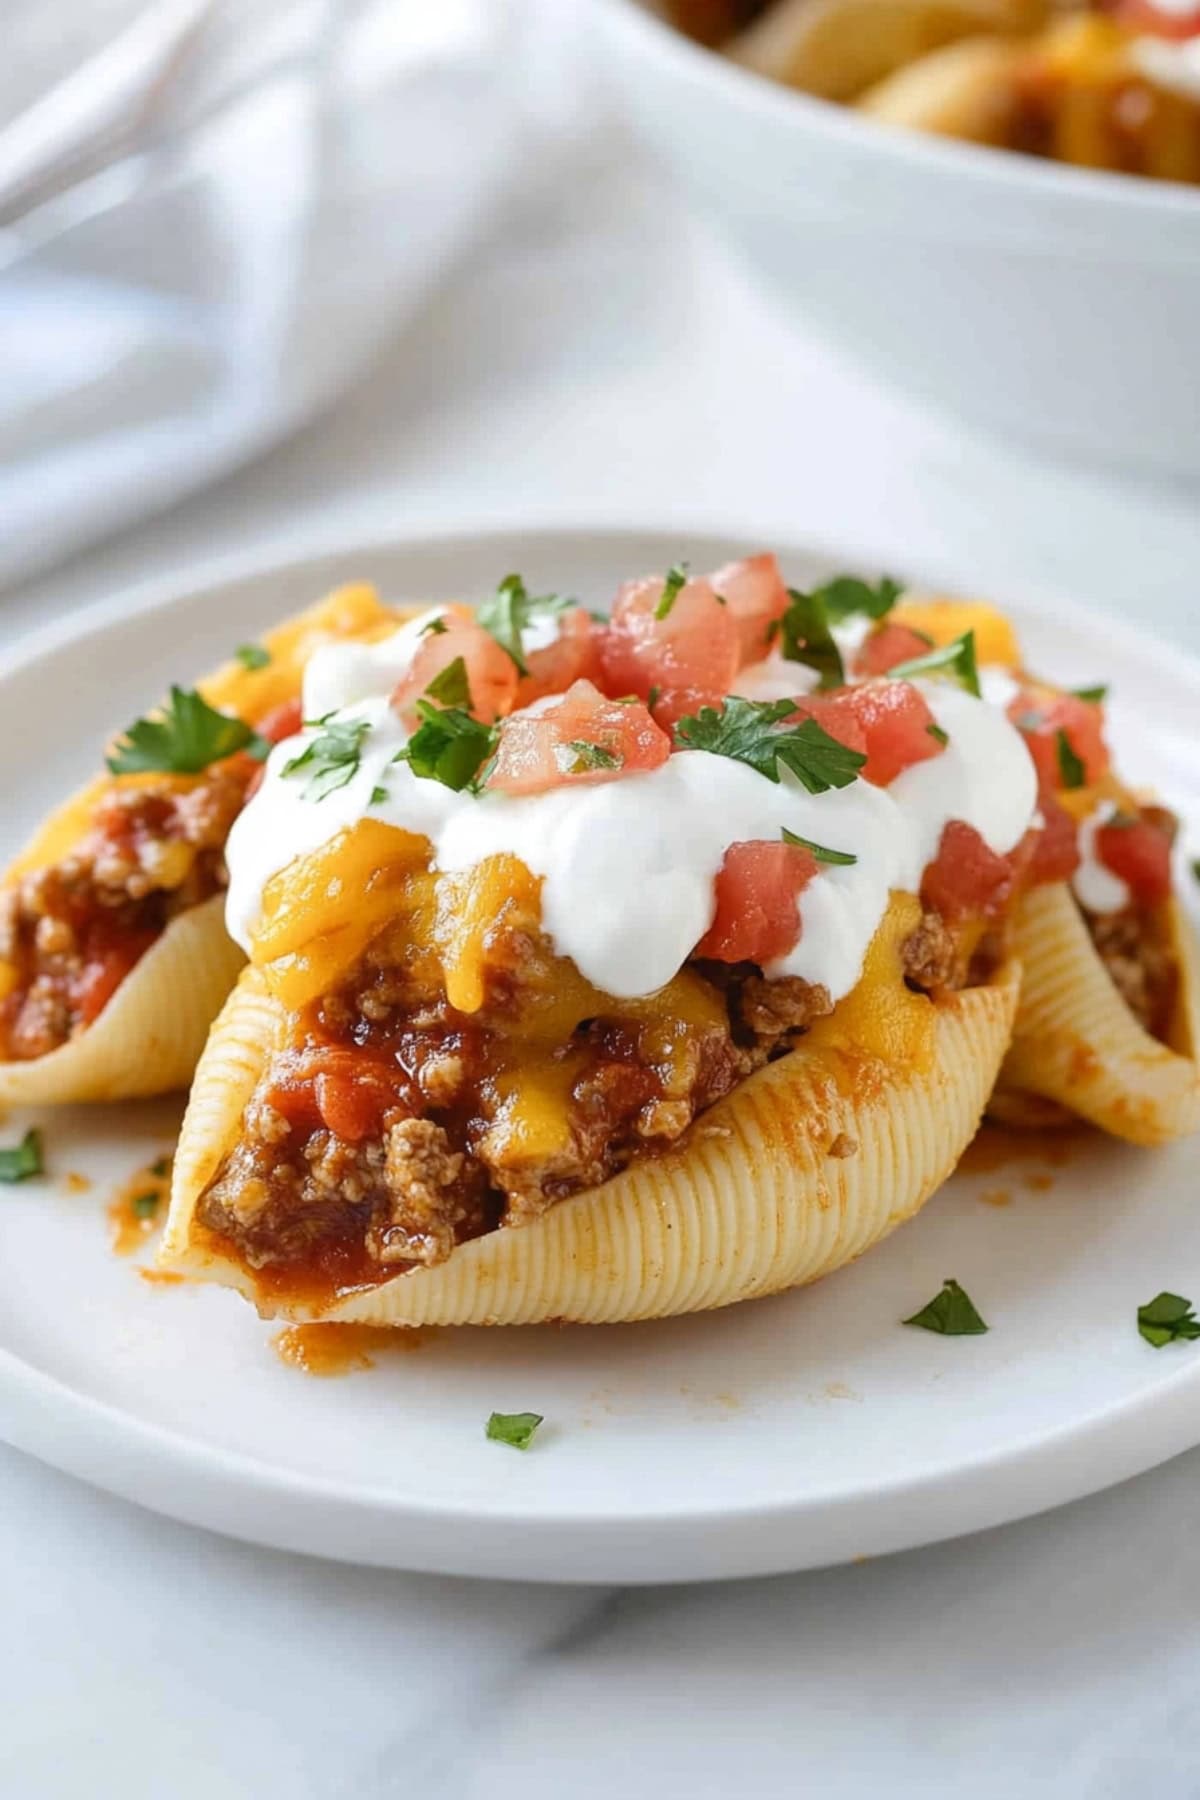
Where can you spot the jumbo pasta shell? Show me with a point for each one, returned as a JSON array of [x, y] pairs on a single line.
[[964, 90], [1077, 1044], [751, 1201], [150, 1035]]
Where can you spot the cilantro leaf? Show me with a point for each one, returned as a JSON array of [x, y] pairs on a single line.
[[848, 594], [378, 796], [1095, 696], [516, 1429], [144, 1206], [511, 610], [332, 757], [1070, 766], [937, 734], [746, 730], [1196, 868], [950, 1313], [183, 739], [252, 656], [161, 1167], [450, 685], [807, 638], [1167, 1319], [677, 576], [577, 757], [956, 661], [435, 628], [20, 1161], [448, 746], [842, 858]]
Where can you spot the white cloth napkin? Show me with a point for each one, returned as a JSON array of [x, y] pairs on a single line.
[[211, 225]]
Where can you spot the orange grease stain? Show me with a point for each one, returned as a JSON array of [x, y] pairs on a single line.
[[76, 1183], [131, 1217], [161, 1277], [993, 1148], [996, 1197], [330, 1350]]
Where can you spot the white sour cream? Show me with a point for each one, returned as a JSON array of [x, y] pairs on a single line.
[[1093, 885], [628, 866], [1170, 65]]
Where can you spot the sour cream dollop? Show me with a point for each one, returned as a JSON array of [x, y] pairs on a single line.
[[628, 866]]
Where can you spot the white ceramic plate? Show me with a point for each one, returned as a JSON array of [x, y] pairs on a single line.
[[801, 1430]]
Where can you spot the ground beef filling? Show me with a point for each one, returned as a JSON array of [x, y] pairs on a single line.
[[1141, 966], [69, 934], [382, 1139]]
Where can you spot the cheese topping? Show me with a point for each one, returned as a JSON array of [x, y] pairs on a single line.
[[628, 866]]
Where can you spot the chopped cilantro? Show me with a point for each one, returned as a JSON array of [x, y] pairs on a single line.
[[516, 1429], [511, 610], [1196, 868], [848, 594], [1095, 696], [808, 639], [935, 731], [1070, 766], [252, 656], [435, 628], [332, 757], [653, 698], [677, 576], [145, 1206], [20, 1161], [578, 757], [842, 858], [950, 1313], [1167, 1319], [747, 731], [160, 1168], [183, 739], [378, 796], [450, 685], [956, 661], [448, 746]]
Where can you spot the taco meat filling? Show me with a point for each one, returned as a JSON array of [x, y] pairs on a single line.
[[383, 1136], [70, 933], [1135, 845]]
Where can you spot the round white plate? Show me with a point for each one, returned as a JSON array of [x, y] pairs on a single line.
[[802, 1430]]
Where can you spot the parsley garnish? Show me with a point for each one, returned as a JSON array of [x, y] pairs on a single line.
[[332, 757], [511, 610], [252, 656], [448, 746], [653, 697], [450, 685], [378, 796], [516, 1429], [807, 637], [145, 1205], [842, 858], [847, 594], [950, 1313], [577, 757], [1095, 696], [184, 739], [1167, 1319], [677, 576], [935, 731], [435, 627], [956, 661], [1070, 766], [22, 1160], [745, 730]]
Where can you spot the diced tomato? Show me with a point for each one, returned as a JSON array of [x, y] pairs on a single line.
[[755, 594], [1055, 851], [1140, 853], [1144, 16], [491, 672], [887, 720], [888, 645], [573, 656], [757, 889], [282, 721], [352, 1097], [966, 879], [1041, 713], [106, 964], [577, 741], [696, 646]]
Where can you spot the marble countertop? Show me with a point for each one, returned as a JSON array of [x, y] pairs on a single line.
[[638, 378]]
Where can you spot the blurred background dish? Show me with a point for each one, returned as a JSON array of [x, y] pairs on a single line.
[[1052, 302]]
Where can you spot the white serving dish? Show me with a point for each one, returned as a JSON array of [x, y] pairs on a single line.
[[1048, 302]]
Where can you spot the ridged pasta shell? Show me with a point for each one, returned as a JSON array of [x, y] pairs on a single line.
[[751, 1202], [150, 1035], [1076, 1042], [964, 90]]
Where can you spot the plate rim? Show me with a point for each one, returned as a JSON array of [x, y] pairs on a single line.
[[238, 1494]]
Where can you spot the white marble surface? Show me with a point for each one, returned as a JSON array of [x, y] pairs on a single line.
[[600, 360]]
